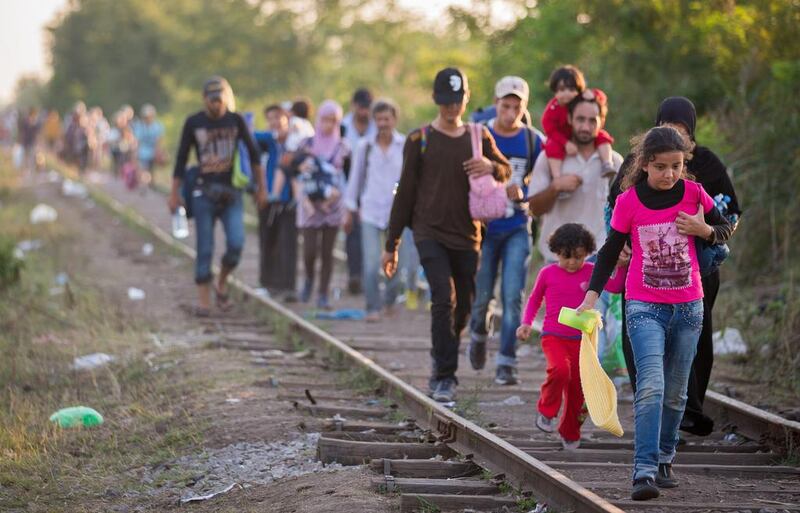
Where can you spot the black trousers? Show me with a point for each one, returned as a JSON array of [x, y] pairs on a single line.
[[703, 360], [277, 234], [451, 276], [355, 258]]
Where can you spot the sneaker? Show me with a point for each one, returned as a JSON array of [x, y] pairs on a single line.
[[445, 391], [322, 302], [506, 375], [433, 384], [305, 295], [644, 489], [570, 446], [477, 351], [664, 477], [412, 300], [373, 317], [546, 424]]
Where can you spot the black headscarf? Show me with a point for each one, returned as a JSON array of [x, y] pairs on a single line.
[[677, 109], [704, 165]]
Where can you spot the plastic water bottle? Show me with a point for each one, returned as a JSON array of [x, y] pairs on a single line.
[[180, 225]]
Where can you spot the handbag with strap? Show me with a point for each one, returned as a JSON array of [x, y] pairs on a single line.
[[487, 196]]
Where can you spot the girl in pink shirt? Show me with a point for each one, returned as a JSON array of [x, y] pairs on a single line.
[[562, 284], [662, 213]]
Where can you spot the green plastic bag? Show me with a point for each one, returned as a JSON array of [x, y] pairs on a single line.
[[241, 168], [77, 416], [613, 359]]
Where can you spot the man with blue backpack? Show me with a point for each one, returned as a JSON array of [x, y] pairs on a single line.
[[213, 189], [507, 239]]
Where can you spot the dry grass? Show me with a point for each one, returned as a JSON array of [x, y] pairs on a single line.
[[46, 468]]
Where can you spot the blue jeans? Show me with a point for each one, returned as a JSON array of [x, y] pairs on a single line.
[[664, 341], [232, 218], [408, 265], [513, 249], [372, 249]]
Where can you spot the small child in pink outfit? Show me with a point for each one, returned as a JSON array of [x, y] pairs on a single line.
[[567, 82], [558, 285]]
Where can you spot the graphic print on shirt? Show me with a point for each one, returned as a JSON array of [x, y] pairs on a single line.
[[666, 263], [215, 147]]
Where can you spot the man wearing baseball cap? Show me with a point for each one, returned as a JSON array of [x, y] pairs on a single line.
[[432, 199], [215, 133], [506, 239]]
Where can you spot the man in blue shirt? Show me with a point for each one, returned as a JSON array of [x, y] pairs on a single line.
[[148, 132], [507, 239], [277, 228]]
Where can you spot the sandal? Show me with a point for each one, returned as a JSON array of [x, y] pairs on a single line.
[[224, 302], [196, 310]]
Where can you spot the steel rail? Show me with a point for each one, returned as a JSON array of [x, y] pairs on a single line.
[[520, 469]]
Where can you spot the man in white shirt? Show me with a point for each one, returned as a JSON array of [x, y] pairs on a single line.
[[357, 125], [581, 178], [377, 163]]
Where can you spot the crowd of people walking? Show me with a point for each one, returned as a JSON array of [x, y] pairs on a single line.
[[468, 202]]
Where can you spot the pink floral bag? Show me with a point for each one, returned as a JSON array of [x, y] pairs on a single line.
[[487, 197]]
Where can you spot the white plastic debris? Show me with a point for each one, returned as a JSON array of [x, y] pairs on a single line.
[[210, 495], [261, 292], [62, 279], [135, 294], [147, 249], [42, 213], [514, 400], [729, 341], [29, 245], [19, 254], [91, 361], [73, 189]]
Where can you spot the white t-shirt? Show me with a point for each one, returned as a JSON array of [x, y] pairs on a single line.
[[585, 205]]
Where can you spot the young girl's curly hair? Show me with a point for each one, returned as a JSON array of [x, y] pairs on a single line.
[[660, 139], [569, 238]]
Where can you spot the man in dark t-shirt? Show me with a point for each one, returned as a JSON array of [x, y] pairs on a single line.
[[432, 199], [215, 134]]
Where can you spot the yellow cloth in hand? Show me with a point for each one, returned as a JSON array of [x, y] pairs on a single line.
[[598, 389]]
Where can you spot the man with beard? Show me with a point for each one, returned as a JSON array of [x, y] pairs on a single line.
[[581, 176]]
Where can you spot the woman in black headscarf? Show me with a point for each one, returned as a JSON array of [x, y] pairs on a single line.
[[710, 172]]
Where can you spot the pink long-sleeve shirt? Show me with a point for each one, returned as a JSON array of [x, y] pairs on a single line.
[[558, 287]]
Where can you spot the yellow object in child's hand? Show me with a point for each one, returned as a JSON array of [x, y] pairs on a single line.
[[598, 389], [585, 321]]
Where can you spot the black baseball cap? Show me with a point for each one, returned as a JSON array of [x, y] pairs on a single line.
[[214, 87], [449, 86]]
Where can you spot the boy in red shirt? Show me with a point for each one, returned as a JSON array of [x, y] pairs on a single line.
[[567, 82]]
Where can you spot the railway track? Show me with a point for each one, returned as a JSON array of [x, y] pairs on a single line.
[[484, 454]]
